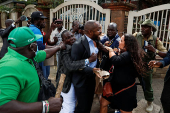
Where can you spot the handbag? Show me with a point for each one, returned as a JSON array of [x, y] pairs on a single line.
[[47, 89], [107, 90]]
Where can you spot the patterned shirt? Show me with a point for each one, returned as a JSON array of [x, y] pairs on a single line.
[[114, 43]]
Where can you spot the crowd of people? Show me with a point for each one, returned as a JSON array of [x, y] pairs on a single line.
[[81, 54]]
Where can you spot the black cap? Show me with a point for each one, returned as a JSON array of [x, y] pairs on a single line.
[[81, 27], [38, 14]]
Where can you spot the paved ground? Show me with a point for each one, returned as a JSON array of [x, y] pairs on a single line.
[[157, 88]]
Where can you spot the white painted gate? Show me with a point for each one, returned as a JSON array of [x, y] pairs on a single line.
[[160, 15], [81, 10]]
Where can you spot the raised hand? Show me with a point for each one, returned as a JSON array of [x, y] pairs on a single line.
[[63, 45], [150, 48], [154, 63], [93, 57], [116, 50], [18, 20], [55, 39], [96, 71], [107, 43], [53, 25], [109, 48]]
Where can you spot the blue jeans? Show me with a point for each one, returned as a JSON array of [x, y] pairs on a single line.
[[45, 69]]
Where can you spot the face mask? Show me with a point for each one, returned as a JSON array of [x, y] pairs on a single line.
[[33, 49], [39, 55]]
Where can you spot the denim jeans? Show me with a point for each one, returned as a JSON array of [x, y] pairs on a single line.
[[45, 70]]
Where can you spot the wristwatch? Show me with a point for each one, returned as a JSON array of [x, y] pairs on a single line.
[[13, 24], [43, 111], [157, 51]]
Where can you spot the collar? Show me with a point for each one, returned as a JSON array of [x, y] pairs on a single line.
[[33, 25], [88, 39], [150, 37], [16, 54], [116, 36], [68, 47], [61, 29]]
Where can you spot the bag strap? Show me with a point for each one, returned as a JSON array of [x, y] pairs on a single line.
[[124, 89], [156, 44], [111, 69]]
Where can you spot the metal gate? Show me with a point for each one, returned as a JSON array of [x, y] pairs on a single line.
[[160, 15], [82, 11]]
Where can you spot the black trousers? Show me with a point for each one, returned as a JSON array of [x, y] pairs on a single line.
[[85, 96], [165, 97]]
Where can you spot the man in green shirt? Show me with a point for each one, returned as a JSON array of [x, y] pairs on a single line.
[[19, 81], [155, 46]]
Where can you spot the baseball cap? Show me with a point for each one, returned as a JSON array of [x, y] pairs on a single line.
[[148, 22], [59, 20], [22, 36], [81, 27], [38, 14]]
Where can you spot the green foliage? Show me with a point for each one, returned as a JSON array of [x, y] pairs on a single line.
[[150, 3], [6, 9], [18, 9], [50, 3], [28, 1], [56, 3]]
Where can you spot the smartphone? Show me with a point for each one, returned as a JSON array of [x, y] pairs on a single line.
[[149, 42], [145, 44]]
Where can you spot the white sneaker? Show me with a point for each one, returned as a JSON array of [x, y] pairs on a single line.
[[149, 107]]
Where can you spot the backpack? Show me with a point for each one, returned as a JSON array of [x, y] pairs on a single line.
[[47, 89]]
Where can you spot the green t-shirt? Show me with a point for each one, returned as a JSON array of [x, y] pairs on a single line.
[[18, 77]]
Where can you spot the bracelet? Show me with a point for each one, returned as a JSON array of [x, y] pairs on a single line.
[[87, 62], [43, 102], [46, 106], [156, 51]]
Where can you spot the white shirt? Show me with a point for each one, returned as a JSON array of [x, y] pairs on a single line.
[[55, 33], [93, 49]]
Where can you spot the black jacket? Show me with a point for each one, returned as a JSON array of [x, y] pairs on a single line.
[[80, 50], [67, 66], [124, 73], [165, 62], [4, 34]]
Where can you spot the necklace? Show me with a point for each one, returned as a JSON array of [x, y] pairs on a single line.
[[111, 43]]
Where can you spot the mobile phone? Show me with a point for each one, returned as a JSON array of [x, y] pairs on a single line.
[[149, 42], [145, 44]]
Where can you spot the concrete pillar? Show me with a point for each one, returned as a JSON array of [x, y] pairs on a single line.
[[118, 11]]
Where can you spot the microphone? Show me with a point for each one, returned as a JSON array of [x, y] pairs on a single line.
[[23, 18]]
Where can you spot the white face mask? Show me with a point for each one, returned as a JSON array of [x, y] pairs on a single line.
[[34, 52], [33, 49]]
